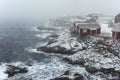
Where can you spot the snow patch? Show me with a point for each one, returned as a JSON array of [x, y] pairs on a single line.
[[33, 51], [105, 30], [35, 28], [3, 68], [43, 35]]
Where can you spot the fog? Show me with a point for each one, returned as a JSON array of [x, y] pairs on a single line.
[[54, 8]]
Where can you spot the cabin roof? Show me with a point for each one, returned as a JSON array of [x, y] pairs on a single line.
[[87, 25], [117, 15]]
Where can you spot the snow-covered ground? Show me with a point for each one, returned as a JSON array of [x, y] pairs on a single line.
[[43, 35], [105, 30], [97, 60]]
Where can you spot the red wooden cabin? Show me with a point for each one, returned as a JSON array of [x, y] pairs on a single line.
[[87, 28]]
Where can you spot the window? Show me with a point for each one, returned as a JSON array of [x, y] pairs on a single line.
[[84, 30]]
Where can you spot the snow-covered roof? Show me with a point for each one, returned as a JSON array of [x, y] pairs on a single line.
[[88, 25], [117, 24], [118, 15], [116, 27], [75, 20], [79, 21]]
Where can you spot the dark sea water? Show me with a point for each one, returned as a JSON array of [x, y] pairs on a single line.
[[16, 38]]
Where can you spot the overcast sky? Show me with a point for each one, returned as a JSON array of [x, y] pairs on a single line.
[[51, 8]]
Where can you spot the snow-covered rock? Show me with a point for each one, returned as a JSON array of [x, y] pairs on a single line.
[[63, 44], [13, 70], [70, 76], [100, 57], [3, 76]]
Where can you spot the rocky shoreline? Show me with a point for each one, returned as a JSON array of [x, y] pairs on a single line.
[[14, 70], [99, 57], [96, 55]]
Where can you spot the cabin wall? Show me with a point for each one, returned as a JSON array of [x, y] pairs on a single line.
[[93, 32], [117, 35], [98, 30], [84, 31], [117, 19], [113, 34], [89, 31]]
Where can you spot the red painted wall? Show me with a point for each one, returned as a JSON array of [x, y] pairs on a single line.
[[117, 35], [113, 34], [98, 30], [84, 33], [81, 31], [117, 18], [93, 32], [89, 32]]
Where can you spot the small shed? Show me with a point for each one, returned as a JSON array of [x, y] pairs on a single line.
[[117, 18], [116, 32], [87, 28]]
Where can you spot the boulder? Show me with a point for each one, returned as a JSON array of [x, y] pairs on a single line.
[[107, 71], [63, 76], [78, 77], [13, 70], [81, 61], [56, 49], [91, 69], [67, 74]]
